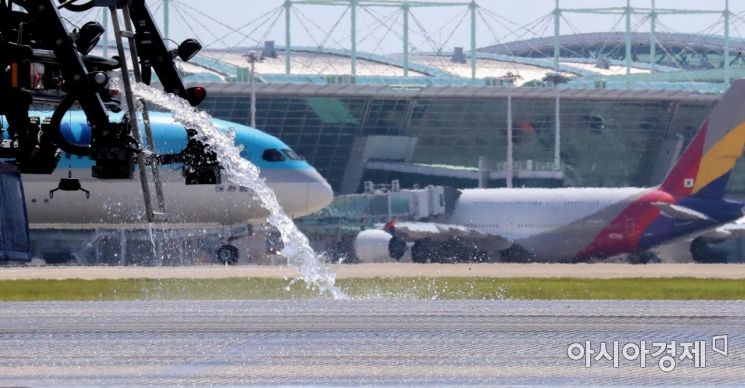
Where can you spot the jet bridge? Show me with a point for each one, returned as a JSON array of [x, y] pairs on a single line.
[[377, 205], [334, 228]]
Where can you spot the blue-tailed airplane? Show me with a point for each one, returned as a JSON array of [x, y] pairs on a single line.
[[299, 188]]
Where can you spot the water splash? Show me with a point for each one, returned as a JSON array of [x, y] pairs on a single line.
[[240, 171], [151, 235]]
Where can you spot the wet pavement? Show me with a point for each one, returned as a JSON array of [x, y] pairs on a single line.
[[323, 342]]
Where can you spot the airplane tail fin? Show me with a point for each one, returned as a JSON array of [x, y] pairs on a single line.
[[703, 169]]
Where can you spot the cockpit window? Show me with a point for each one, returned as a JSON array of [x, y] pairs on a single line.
[[273, 155], [291, 154]]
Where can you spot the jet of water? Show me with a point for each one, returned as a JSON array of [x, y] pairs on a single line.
[[240, 171]]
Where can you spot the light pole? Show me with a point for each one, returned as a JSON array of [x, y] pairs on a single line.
[[252, 58], [556, 79], [509, 166]]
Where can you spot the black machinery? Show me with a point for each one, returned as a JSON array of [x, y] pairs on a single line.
[[42, 61]]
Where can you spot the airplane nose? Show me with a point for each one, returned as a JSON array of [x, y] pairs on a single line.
[[320, 194], [299, 191]]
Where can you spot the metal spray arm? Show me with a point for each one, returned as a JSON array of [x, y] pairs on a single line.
[[75, 74], [43, 55], [154, 54]]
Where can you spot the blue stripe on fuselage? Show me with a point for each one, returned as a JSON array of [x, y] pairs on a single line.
[[170, 137]]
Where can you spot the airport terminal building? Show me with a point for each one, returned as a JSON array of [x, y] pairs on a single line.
[[435, 135], [616, 123]]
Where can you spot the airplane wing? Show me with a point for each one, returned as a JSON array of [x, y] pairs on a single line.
[[682, 249], [412, 231], [733, 229]]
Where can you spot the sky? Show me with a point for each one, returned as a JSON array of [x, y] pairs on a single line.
[[240, 23]]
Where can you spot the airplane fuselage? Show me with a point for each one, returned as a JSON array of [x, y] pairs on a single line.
[[120, 202], [299, 188], [582, 223]]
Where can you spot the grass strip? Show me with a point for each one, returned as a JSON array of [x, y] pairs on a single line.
[[376, 288]]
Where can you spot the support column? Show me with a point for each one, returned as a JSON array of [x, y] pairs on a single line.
[[557, 52], [473, 39], [509, 165], [105, 23], [405, 8], [166, 18], [557, 135], [557, 31], [288, 42], [353, 53], [483, 172], [390, 206], [726, 43], [652, 39], [628, 37], [253, 90]]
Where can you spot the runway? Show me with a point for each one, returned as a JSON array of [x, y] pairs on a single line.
[[387, 270], [321, 342]]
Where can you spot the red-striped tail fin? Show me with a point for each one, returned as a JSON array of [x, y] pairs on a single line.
[[704, 167]]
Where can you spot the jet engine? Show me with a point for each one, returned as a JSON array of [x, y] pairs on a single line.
[[704, 251], [375, 246]]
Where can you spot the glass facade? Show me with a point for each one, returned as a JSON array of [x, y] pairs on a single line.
[[605, 142]]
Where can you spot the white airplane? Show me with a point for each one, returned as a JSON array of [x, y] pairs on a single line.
[[299, 188], [579, 224]]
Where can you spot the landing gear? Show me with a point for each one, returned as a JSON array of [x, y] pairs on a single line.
[[397, 248], [455, 250], [424, 251], [516, 254], [643, 258], [228, 254]]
